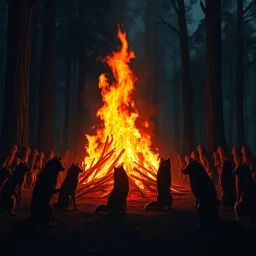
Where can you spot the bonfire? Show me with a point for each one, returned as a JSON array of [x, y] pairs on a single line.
[[117, 141]]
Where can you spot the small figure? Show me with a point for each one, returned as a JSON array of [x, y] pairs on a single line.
[[41, 208], [163, 180], [246, 206], [117, 198], [238, 160], [227, 180], [31, 175], [250, 160], [9, 194], [207, 163], [203, 189], [67, 191]]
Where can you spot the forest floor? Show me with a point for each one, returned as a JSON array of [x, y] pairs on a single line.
[[139, 233]]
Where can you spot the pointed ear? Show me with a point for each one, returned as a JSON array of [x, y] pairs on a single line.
[[59, 158], [77, 163], [72, 164], [169, 159], [162, 159], [55, 157]]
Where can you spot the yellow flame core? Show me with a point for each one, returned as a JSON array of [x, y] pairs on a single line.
[[118, 114]]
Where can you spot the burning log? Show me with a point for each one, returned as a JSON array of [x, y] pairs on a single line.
[[149, 186], [147, 170], [137, 188], [145, 176], [115, 162]]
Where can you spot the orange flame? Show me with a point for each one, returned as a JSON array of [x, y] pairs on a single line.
[[118, 114]]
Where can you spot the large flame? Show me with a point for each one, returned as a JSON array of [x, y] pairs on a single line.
[[118, 134]]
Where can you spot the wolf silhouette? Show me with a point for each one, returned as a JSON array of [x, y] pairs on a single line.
[[246, 206], [203, 189], [163, 181], [9, 195], [117, 199], [228, 184], [41, 208], [67, 191]]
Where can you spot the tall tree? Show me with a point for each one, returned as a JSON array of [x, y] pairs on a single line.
[[33, 80], [182, 33], [215, 134], [240, 69], [45, 122], [15, 108]]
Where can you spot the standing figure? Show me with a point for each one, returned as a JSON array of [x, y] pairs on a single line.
[[227, 180], [117, 199], [195, 156], [250, 160], [163, 181], [207, 163], [31, 175], [203, 189], [237, 160], [45, 187]]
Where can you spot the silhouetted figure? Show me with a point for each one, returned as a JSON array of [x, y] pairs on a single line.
[[41, 208], [237, 159], [246, 206], [9, 159], [195, 156], [250, 160], [9, 195], [31, 175], [67, 191], [227, 180], [203, 189], [163, 181], [117, 198], [6, 171], [207, 163]]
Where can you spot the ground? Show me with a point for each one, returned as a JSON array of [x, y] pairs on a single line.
[[139, 233]]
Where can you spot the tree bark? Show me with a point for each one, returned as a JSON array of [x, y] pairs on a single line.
[[215, 134], [15, 107], [33, 81], [66, 134], [231, 106], [81, 80], [188, 127], [45, 123], [239, 76]]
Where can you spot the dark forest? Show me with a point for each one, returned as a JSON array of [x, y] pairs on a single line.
[[144, 104]]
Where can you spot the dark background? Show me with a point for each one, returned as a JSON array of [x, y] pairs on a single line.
[[49, 70]]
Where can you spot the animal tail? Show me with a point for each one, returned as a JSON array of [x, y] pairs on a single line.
[[152, 204], [101, 208]]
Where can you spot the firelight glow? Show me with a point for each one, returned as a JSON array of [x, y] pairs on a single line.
[[118, 140]]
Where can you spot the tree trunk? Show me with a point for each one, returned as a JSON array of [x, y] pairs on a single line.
[[33, 81], [81, 81], [66, 134], [188, 127], [176, 109], [45, 123], [239, 76], [149, 51], [231, 106], [15, 108], [215, 134]]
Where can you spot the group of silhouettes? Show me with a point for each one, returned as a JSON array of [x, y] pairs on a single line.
[[45, 178], [226, 179], [235, 180]]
